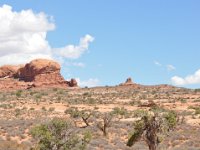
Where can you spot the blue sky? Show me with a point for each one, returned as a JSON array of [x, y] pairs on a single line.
[[150, 41]]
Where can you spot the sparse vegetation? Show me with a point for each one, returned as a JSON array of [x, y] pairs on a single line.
[[102, 116]]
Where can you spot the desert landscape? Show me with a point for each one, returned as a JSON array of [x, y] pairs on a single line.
[[36, 94], [99, 75]]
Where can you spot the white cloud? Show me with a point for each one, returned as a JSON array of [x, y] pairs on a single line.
[[157, 63], [79, 64], [76, 64], [73, 51], [89, 83], [190, 79], [170, 67], [23, 38]]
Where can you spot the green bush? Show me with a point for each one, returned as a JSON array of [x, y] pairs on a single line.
[[59, 134], [19, 93], [171, 119]]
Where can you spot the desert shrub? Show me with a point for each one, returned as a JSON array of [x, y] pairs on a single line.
[[83, 114], [55, 89], [32, 108], [158, 109], [59, 134], [197, 90], [73, 112], [6, 106], [197, 109], [140, 113], [183, 101], [44, 108], [150, 127], [87, 94], [120, 112], [51, 109], [171, 119], [38, 96], [19, 93], [17, 112]]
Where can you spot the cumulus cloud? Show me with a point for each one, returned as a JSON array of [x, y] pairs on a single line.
[[75, 64], [170, 67], [73, 51], [157, 63], [79, 64], [190, 79], [89, 83], [23, 38]]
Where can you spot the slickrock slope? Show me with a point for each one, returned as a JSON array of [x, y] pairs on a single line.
[[37, 73]]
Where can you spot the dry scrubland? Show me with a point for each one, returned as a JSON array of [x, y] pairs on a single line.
[[21, 111]]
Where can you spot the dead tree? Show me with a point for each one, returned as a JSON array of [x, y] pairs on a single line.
[[105, 123]]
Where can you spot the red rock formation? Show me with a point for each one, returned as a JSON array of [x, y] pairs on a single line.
[[72, 83], [37, 67], [37, 73], [128, 82], [8, 71]]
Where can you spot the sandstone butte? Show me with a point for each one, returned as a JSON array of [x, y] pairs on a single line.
[[128, 81], [39, 73]]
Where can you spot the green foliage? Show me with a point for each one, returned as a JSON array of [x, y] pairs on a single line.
[[19, 93], [38, 96], [136, 135], [183, 101], [171, 119], [17, 112], [197, 109], [150, 126], [6, 106], [140, 113], [119, 111], [59, 134], [51, 109], [87, 136], [84, 114], [44, 135], [73, 112], [32, 108], [158, 109], [44, 108]]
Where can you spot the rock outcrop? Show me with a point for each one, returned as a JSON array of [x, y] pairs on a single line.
[[8, 71], [37, 73], [128, 82], [72, 83]]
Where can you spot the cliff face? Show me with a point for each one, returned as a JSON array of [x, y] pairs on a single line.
[[37, 73]]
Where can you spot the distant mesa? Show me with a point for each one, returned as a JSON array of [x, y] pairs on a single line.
[[37, 73], [128, 81]]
